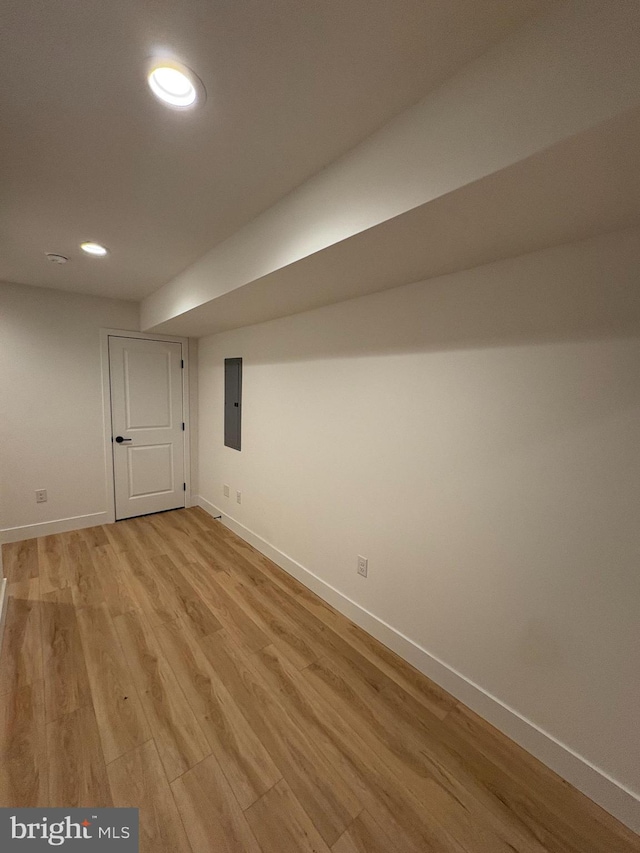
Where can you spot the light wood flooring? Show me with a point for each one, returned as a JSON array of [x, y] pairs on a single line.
[[163, 663]]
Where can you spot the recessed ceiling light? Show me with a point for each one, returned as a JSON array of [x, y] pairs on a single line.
[[55, 258], [175, 84], [95, 249]]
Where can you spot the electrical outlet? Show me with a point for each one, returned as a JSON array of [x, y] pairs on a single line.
[[363, 566], [225, 490], [41, 496], [238, 497]]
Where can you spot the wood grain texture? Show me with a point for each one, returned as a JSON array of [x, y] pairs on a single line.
[[170, 539], [190, 606], [23, 759], [147, 540], [20, 560], [27, 589], [457, 814], [212, 817], [51, 564], [362, 765], [94, 536], [317, 783], [182, 666], [121, 720], [244, 760], [116, 590], [120, 536], [21, 655], [66, 683], [553, 808], [364, 835], [77, 772], [231, 615], [280, 823], [137, 780], [179, 739], [152, 597], [85, 586], [273, 621], [258, 568]]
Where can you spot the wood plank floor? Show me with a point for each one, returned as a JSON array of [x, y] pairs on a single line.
[[163, 663]]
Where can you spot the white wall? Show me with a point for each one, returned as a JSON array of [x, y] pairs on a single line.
[[51, 429], [477, 438]]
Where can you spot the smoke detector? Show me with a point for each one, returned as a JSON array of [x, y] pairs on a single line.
[[56, 259]]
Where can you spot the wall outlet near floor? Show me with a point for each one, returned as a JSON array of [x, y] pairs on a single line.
[[225, 490], [363, 566], [238, 497], [41, 496]]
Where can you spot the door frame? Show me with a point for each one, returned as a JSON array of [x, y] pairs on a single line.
[[110, 492]]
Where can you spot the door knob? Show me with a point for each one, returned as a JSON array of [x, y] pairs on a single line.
[[120, 439]]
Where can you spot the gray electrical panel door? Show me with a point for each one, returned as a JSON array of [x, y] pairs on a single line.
[[232, 402]]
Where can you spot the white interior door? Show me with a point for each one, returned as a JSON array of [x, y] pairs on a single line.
[[147, 425]]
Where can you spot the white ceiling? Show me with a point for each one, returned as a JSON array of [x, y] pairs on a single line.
[[87, 153]]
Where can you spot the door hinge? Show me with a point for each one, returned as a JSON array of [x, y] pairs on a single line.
[[184, 487], [182, 426], [182, 363]]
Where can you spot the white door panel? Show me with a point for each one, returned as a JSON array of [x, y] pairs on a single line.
[[150, 470], [147, 388], [146, 410]]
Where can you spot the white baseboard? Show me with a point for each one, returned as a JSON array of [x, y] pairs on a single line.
[[595, 783], [60, 525], [3, 608]]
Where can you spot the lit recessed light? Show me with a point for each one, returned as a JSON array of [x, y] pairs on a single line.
[[175, 84], [95, 249]]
